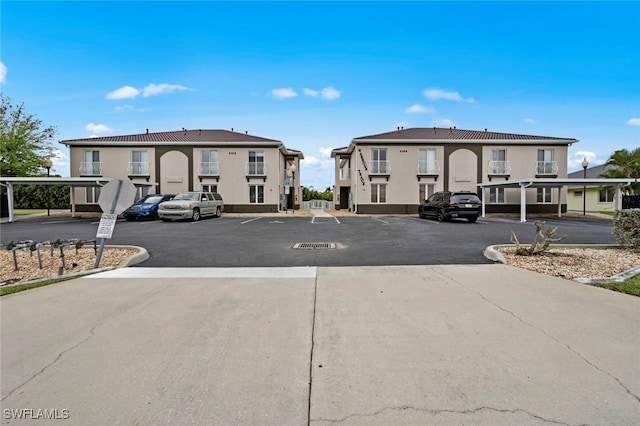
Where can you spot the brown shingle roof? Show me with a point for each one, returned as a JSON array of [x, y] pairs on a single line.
[[438, 133], [200, 135]]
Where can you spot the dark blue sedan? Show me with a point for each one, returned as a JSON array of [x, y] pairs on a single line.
[[146, 207]]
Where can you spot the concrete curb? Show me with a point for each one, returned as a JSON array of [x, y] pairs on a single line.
[[139, 257], [492, 253]]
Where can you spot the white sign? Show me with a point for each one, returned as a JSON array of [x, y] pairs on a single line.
[[126, 195], [107, 223], [286, 190]]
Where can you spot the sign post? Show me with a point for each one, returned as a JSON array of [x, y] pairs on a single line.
[[114, 198]]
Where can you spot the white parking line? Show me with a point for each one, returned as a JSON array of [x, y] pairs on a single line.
[[383, 221], [250, 220], [320, 220]]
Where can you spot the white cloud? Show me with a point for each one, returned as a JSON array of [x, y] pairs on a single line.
[[3, 73], [420, 109], [284, 93], [60, 162], [98, 128], [633, 122], [316, 163], [325, 151], [126, 92], [529, 120], [443, 122], [575, 160], [330, 93], [123, 107], [310, 92], [161, 89], [436, 94], [94, 136]]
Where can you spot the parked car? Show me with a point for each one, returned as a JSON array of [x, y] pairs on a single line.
[[446, 205], [191, 205], [146, 207]]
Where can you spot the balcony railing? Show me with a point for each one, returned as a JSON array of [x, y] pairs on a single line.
[[139, 168], [93, 168], [499, 168], [380, 168], [209, 169], [255, 168], [548, 168], [428, 168], [344, 174]]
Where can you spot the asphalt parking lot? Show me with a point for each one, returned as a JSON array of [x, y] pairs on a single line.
[[268, 241]]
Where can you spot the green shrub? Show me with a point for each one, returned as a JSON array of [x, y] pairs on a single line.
[[626, 227]]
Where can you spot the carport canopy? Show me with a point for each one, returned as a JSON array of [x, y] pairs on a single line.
[[73, 182], [523, 184]]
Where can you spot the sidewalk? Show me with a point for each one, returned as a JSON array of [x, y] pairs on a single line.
[[457, 344]]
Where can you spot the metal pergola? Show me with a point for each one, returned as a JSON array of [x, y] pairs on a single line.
[[84, 182], [523, 184]]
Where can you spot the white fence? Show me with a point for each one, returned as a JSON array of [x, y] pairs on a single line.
[[317, 204]]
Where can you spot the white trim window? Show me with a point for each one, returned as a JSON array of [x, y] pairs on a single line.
[[256, 194], [255, 166], [428, 165], [379, 163], [209, 187], [139, 163], [141, 192], [91, 163], [606, 195], [498, 164], [425, 191], [378, 193], [544, 195], [209, 164], [92, 193], [577, 194], [496, 195]]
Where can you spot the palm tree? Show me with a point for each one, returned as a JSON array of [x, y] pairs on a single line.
[[625, 163]]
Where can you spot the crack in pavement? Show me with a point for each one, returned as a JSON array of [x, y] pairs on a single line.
[[436, 412], [101, 321], [578, 354]]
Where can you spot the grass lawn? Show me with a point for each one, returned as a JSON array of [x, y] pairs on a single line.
[[630, 286], [23, 212], [10, 289]]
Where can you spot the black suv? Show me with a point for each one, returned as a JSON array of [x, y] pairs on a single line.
[[446, 205]]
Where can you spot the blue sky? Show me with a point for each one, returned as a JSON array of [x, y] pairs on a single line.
[[316, 75]]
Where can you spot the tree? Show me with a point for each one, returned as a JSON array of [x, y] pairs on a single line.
[[25, 141], [625, 164]]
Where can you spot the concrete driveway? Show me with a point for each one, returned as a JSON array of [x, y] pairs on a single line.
[[459, 344]]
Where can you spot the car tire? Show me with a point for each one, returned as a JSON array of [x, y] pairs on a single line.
[[155, 216], [472, 219], [165, 219], [441, 216], [218, 212], [196, 215], [129, 219], [421, 214]]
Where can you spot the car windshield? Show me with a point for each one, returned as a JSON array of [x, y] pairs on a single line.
[[151, 199], [192, 196], [465, 198]]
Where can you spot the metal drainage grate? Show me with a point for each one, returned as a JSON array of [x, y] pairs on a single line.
[[314, 246]]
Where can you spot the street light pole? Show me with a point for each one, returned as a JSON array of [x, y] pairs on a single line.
[[293, 169], [585, 164], [47, 164]]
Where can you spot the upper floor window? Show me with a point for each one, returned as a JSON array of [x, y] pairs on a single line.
[[139, 164], [379, 163], [255, 166], [209, 164], [91, 163], [546, 164], [428, 164], [498, 165]]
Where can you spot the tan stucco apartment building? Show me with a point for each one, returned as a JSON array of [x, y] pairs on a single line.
[[394, 172], [252, 173]]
